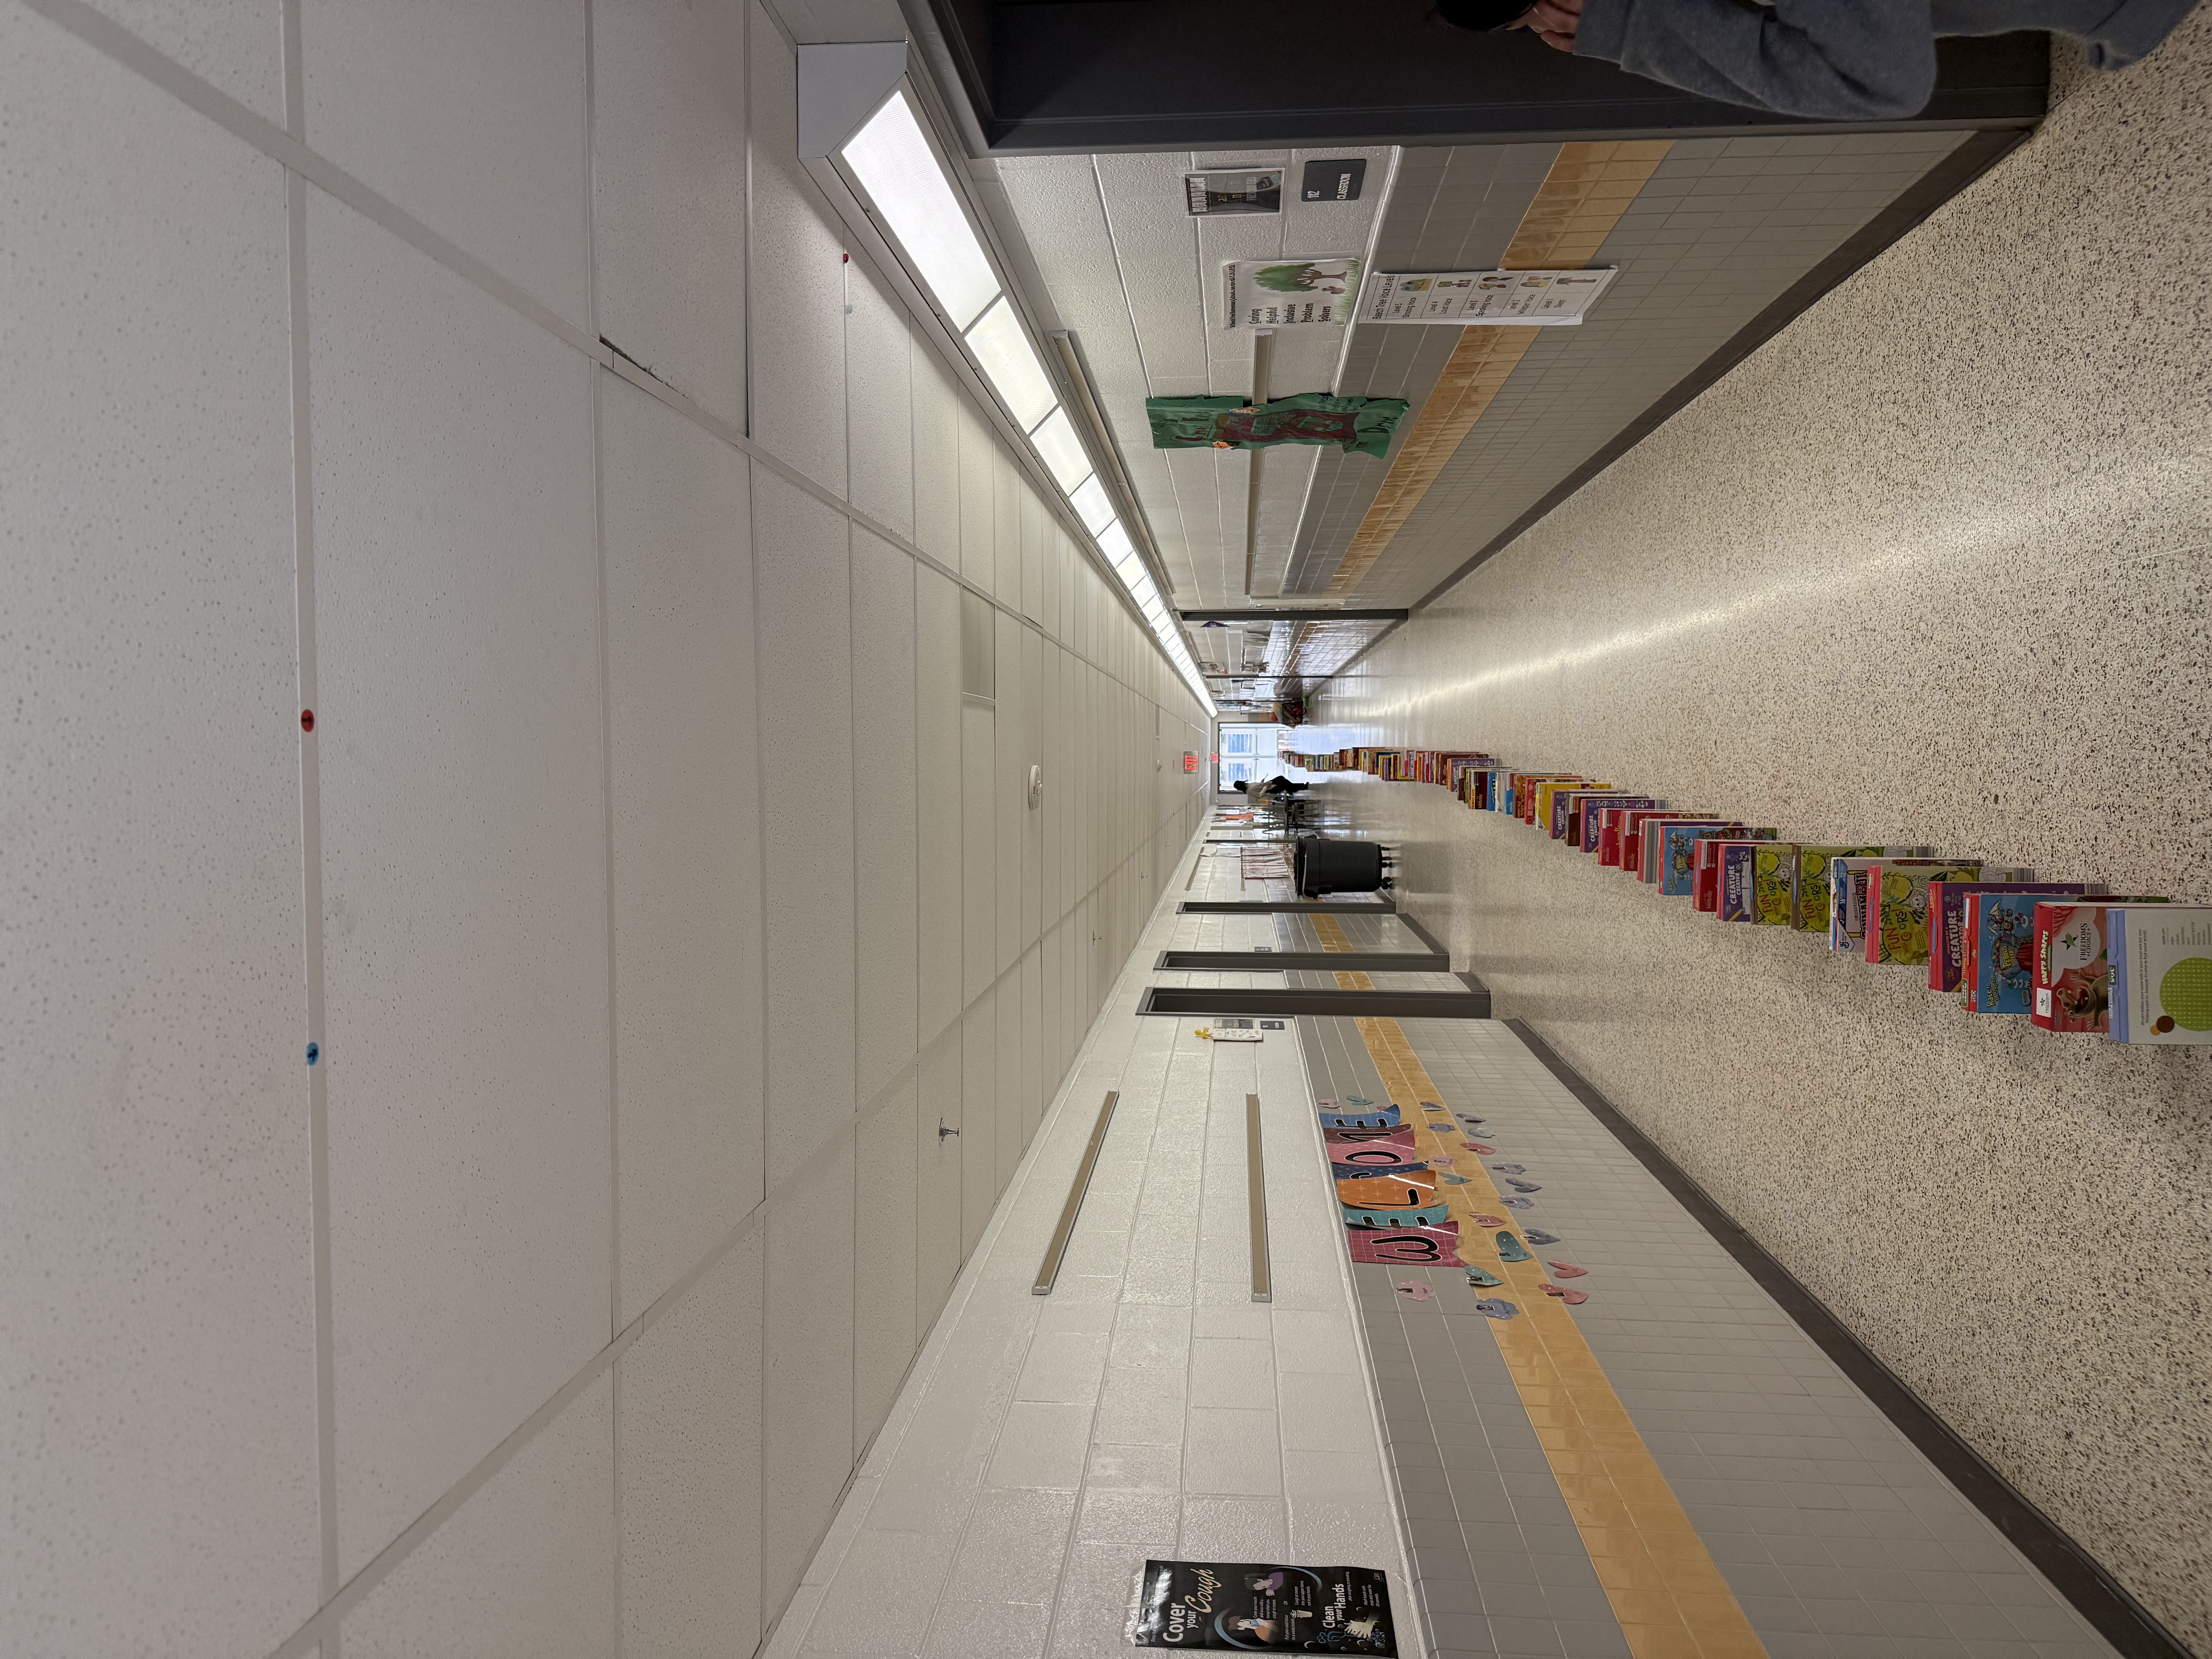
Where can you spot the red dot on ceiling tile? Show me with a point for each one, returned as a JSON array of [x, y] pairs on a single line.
[[307, 720]]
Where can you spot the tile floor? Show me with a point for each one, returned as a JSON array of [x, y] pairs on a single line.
[[1044, 1447], [1838, 1539]]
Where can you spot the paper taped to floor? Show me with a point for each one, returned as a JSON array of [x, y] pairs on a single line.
[[1255, 1607]]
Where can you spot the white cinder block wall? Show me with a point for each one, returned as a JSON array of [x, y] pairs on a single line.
[[650, 887]]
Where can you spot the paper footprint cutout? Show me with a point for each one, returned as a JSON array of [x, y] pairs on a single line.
[[1414, 1290], [1480, 1279], [1490, 1221], [1536, 1237], [1358, 1100], [1518, 1203], [1445, 1129], [1509, 1169], [1567, 1270], [1464, 1118], [1495, 1308], [1476, 1147], [1524, 1186], [1433, 1106], [1453, 1180], [1510, 1250], [1572, 1299]]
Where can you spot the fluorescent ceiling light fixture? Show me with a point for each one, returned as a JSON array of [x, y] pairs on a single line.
[[892, 160], [900, 172], [1095, 510], [1063, 450], [1011, 364]]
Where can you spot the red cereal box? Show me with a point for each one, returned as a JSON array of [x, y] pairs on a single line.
[[2073, 979]]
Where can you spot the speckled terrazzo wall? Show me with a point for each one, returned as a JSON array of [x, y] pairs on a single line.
[[1929, 567]]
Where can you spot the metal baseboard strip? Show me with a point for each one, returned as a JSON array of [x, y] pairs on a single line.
[[1280, 907], [1276, 962], [1178, 1000], [1048, 1269], [1255, 1178]]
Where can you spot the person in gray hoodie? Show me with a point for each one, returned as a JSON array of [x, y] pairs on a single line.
[[1842, 60]]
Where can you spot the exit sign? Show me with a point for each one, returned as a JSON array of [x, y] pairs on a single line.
[[1190, 761]]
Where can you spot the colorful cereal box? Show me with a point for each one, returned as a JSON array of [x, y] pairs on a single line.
[[1570, 806], [1946, 921], [1564, 802], [1737, 898], [1593, 816], [1631, 855], [2161, 967], [1708, 859], [1773, 885], [2073, 974], [1998, 951], [1808, 893], [1539, 813], [1678, 851], [1849, 882], [1896, 906], [1612, 827], [1652, 856]]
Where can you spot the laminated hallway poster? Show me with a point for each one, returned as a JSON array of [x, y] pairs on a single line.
[[1260, 1607], [1526, 299], [1291, 292]]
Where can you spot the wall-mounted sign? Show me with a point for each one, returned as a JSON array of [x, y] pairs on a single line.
[[1190, 761], [1333, 182], [1527, 299], [1291, 292], [1254, 190]]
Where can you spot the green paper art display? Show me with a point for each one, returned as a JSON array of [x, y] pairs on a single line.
[[1358, 426]]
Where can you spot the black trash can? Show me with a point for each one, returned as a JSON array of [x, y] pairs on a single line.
[[1322, 866]]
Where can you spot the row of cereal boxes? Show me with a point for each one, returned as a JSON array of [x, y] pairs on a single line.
[[2067, 955]]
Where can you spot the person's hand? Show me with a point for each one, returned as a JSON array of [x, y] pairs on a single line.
[[1554, 22]]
